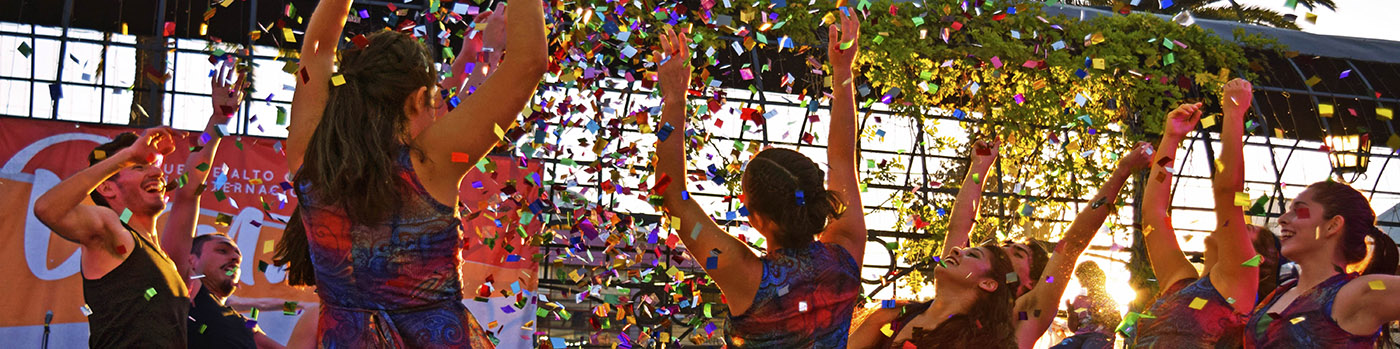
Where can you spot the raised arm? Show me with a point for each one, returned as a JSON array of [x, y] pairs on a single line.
[[1168, 262], [737, 269], [1234, 246], [61, 208], [969, 201], [490, 34], [849, 230], [1041, 303], [494, 106], [313, 80], [1365, 304], [870, 331], [179, 230]]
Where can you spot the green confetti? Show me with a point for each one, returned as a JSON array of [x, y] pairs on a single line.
[[126, 216], [150, 292], [847, 45], [1253, 262], [202, 328]]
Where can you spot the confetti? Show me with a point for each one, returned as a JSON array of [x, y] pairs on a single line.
[[1253, 262], [886, 330], [150, 292], [1198, 303], [1377, 285]]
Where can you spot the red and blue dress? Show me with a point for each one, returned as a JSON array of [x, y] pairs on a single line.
[[805, 300], [393, 284], [1307, 323]]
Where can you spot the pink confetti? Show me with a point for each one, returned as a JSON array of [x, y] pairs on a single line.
[[996, 62]]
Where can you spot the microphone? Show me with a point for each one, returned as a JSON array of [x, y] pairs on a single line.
[[48, 318]]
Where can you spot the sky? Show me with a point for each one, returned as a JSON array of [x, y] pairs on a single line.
[[1357, 18]]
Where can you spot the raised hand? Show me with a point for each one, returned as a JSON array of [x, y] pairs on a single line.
[[1237, 96], [1182, 120], [838, 51], [227, 98], [494, 36], [1138, 159], [154, 144], [675, 67]]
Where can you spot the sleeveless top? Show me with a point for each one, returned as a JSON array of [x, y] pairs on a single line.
[[908, 313], [394, 283], [806, 299], [1177, 325], [214, 325], [142, 303], [1307, 323]]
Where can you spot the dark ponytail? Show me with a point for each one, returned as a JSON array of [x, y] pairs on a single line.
[[294, 249], [772, 183], [1385, 258]]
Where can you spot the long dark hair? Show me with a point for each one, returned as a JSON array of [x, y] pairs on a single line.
[[987, 324], [350, 159], [294, 249], [771, 184], [1338, 199]]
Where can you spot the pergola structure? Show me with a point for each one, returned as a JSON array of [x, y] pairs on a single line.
[[1355, 78]]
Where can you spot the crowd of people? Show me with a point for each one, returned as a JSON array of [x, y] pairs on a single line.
[[377, 160]]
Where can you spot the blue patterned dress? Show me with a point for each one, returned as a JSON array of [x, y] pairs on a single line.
[[806, 300], [1307, 323], [1177, 325], [394, 284]]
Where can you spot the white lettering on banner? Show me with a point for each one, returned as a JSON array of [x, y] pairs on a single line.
[[36, 234], [246, 235]]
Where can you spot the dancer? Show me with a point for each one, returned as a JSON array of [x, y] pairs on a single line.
[[1035, 309], [1208, 310], [127, 271], [209, 263], [972, 307], [803, 291], [1325, 231], [380, 177], [1092, 315], [214, 322]]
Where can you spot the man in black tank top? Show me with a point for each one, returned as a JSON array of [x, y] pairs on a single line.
[[135, 292]]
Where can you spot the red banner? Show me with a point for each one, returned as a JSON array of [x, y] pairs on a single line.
[[40, 270]]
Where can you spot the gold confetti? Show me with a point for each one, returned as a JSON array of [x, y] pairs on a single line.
[[1198, 303]]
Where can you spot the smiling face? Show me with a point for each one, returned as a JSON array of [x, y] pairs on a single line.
[[217, 258], [967, 268], [140, 188], [1303, 230]]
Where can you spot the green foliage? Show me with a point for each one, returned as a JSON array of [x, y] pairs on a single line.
[[1065, 96]]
